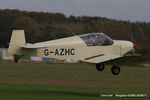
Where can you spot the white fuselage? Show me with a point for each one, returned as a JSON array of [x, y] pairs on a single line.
[[75, 48]]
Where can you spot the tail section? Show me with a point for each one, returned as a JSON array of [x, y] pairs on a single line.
[[16, 41]]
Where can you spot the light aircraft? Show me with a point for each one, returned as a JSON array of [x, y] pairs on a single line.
[[95, 48]]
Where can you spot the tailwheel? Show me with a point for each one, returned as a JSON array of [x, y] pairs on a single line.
[[115, 69], [100, 67], [16, 58]]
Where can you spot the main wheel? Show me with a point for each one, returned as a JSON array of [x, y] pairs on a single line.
[[115, 70], [100, 67]]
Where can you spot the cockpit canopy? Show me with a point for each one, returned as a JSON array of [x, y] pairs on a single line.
[[96, 39]]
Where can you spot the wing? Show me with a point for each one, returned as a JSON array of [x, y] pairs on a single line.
[[32, 46], [101, 58], [104, 58]]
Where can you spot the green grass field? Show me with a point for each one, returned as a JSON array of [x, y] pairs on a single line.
[[45, 81]]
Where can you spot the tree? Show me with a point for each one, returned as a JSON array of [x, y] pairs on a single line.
[[24, 22]]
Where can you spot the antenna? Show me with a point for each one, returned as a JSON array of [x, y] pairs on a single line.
[[132, 40], [72, 32]]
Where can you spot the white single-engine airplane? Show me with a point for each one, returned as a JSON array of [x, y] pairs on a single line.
[[95, 48]]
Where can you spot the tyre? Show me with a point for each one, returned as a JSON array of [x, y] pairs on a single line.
[[100, 67], [115, 70]]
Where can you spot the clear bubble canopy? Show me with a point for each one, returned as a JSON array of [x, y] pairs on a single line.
[[96, 39]]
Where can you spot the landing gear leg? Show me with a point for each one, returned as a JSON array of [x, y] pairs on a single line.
[[115, 69]]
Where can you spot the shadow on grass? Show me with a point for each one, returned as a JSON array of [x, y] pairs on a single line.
[[47, 92]]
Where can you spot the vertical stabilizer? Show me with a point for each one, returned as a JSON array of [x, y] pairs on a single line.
[[16, 41]]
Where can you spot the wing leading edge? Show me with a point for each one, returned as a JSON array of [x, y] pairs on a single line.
[[101, 58]]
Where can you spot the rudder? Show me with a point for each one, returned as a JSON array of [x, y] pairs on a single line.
[[16, 41]]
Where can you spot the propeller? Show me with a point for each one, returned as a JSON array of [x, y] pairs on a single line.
[[133, 41]]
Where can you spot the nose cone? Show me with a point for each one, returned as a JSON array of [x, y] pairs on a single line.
[[134, 45]]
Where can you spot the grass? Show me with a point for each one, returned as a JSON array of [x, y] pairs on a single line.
[[130, 75], [44, 81], [52, 92]]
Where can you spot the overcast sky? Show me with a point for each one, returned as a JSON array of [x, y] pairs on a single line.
[[133, 10]]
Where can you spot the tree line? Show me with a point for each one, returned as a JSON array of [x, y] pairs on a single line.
[[42, 26]]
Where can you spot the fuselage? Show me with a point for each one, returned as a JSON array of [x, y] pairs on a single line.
[[75, 48]]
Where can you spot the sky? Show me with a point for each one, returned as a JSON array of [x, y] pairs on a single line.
[[133, 10]]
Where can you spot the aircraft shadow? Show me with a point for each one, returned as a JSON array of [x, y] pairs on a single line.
[[47, 92]]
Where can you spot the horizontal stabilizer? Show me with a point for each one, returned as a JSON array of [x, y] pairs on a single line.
[[32, 46]]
